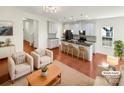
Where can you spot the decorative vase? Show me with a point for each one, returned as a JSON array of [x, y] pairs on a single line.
[[44, 73]]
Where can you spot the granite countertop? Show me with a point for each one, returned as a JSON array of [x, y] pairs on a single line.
[[77, 42], [53, 38]]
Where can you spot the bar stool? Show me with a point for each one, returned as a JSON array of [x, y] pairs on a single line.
[[82, 51], [70, 49], [75, 51], [64, 47]]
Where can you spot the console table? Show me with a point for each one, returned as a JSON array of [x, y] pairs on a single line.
[[6, 51]]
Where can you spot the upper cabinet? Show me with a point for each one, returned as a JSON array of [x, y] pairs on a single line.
[[52, 27], [75, 27], [68, 26], [90, 29]]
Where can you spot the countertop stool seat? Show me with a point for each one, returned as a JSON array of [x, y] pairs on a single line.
[[64, 47], [70, 49], [82, 52], [75, 51]]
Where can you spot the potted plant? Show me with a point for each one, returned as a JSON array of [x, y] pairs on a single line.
[[44, 71], [118, 48]]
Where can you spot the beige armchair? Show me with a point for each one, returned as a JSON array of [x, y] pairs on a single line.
[[17, 69], [42, 57]]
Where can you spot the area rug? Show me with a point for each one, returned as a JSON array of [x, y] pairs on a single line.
[[69, 77]]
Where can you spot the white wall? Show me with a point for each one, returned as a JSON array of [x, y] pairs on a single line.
[[16, 16], [118, 27], [60, 32], [42, 34]]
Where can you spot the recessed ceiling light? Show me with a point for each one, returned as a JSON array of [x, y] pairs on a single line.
[[49, 9]]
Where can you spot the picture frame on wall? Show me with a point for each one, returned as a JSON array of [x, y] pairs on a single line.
[[6, 28]]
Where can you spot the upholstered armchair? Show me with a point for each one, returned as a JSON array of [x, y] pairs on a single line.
[[42, 57], [19, 64]]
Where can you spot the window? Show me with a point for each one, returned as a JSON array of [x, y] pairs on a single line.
[[107, 36]]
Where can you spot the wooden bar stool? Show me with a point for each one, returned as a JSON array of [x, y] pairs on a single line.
[[75, 51], [82, 52], [70, 49], [64, 47]]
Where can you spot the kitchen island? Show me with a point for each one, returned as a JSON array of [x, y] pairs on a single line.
[[87, 46]]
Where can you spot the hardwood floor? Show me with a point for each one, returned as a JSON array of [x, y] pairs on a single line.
[[27, 47], [83, 66], [4, 75]]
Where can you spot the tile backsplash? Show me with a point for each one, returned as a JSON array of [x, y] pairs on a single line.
[[51, 35], [91, 38]]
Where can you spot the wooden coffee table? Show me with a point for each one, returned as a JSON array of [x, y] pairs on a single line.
[[54, 77]]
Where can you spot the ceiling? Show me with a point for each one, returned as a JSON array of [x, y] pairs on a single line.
[[74, 13]]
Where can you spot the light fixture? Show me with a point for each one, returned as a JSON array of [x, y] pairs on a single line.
[[49, 9], [64, 30], [81, 31], [76, 18], [72, 30]]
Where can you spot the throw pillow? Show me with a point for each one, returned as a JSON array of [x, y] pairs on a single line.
[[41, 52], [19, 57]]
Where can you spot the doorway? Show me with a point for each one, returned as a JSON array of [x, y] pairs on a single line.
[[30, 34]]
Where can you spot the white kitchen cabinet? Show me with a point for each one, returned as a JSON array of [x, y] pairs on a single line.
[[49, 27], [76, 28], [52, 27], [90, 29], [56, 43], [55, 30], [53, 43], [93, 45], [67, 27]]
